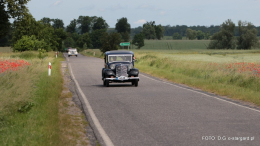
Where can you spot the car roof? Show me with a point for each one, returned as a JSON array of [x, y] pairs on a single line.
[[118, 52]]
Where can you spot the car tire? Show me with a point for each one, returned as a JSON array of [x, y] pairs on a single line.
[[107, 83], [76, 55], [136, 83], [104, 82], [69, 55]]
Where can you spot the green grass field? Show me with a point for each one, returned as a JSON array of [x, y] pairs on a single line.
[[232, 73], [175, 45], [182, 46]]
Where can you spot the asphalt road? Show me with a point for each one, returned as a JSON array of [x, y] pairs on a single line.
[[159, 113]]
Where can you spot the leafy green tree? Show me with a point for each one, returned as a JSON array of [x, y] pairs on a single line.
[[136, 30], [61, 36], [149, 32], [138, 40], [69, 42], [25, 26], [57, 23], [47, 34], [75, 36], [191, 34], [29, 43], [96, 37], [159, 31], [151, 23], [225, 38], [85, 46], [247, 35], [207, 35], [124, 28], [83, 39], [85, 24], [122, 25], [4, 21], [176, 36], [110, 41], [99, 23], [125, 36], [46, 20], [200, 35], [16, 8], [42, 31], [72, 26]]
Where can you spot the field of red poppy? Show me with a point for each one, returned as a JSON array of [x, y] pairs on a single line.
[[243, 68], [12, 65]]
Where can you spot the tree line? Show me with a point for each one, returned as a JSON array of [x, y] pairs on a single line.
[[25, 33], [225, 38]]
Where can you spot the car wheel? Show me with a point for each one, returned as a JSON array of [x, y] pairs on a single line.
[[133, 83], [76, 55], [69, 55], [104, 82], [107, 83], [136, 83]]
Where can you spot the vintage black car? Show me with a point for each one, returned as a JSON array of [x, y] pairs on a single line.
[[119, 67]]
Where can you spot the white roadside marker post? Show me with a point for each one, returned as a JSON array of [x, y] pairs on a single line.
[[49, 73], [56, 54]]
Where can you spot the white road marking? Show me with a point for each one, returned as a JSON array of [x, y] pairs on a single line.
[[203, 94], [100, 129]]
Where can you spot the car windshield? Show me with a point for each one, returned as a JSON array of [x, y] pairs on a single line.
[[120, 58], [73, 50]]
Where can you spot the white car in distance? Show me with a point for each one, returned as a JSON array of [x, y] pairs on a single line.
[[72, 52]]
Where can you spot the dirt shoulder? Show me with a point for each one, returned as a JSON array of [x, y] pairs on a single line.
[[75, 129]]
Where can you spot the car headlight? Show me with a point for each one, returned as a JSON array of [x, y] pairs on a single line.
[[130, 66], [112, 66]]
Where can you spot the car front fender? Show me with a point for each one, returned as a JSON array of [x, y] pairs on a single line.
[[108, 72], [134, 72]]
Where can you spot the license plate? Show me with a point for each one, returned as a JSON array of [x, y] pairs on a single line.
[[120, 78]]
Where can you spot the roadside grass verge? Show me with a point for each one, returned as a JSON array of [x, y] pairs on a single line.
[[72, 121], [29, 102], [219, 79]]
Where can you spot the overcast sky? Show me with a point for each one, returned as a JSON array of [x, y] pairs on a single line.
[[164, 12]]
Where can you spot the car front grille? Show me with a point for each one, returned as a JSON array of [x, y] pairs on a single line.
[[121, 70]]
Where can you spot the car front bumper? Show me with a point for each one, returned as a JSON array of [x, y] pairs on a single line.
[[122, 78]]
